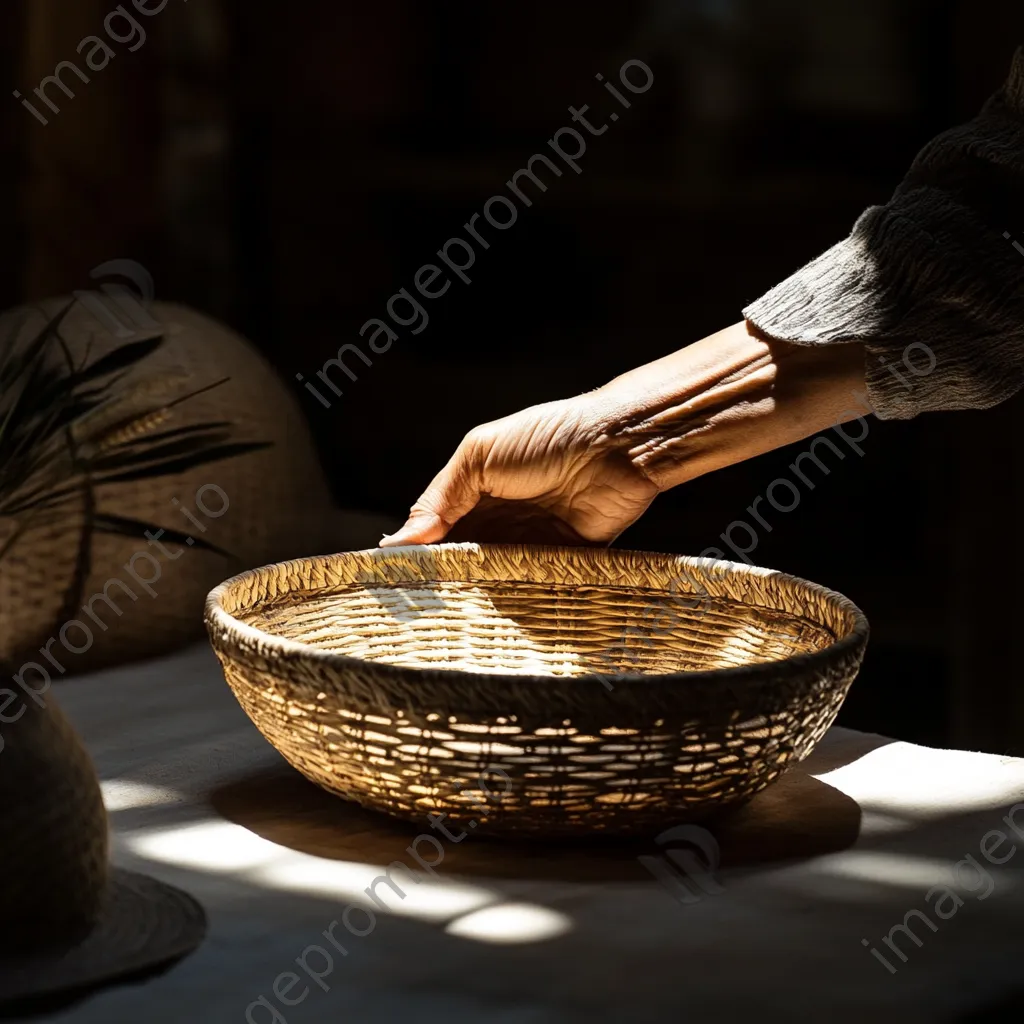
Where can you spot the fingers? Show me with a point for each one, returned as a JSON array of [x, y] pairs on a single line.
[[451, 494]]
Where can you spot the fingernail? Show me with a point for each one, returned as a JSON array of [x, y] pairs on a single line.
[[396, 539]]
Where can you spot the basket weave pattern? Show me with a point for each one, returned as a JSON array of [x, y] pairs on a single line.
[[610, 690], [279, 503]]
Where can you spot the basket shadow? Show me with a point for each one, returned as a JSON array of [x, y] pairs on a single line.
[[797, 817]]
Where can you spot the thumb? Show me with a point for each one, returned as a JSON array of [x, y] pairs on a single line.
[[453, 493], [421, 527]]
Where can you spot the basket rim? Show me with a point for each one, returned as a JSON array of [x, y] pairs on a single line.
[[241, 635]]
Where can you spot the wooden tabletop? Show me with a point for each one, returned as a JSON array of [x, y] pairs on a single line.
[[838, 852]]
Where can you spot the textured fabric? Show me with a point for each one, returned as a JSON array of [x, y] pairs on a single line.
[[935, 269]]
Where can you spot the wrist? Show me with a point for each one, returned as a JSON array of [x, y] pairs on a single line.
[[724, 399]]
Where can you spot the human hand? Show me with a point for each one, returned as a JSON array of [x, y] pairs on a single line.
[[553, 473]]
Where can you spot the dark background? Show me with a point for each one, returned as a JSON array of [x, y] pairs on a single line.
[[289, 167]]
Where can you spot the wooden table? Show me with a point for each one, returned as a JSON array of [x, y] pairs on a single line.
[[834, 854]]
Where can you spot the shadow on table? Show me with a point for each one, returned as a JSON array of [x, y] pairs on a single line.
[[994, 1012], [796, 818], [45, 1005]]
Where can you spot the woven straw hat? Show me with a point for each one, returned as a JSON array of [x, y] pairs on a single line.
[[279, 504], [67, 919]]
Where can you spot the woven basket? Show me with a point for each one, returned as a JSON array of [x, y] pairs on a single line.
[[279, 502], [546, 691]]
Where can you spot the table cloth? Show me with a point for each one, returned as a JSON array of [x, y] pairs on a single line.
[[869, 839]]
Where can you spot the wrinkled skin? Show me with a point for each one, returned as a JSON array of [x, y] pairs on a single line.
[[547, 474]]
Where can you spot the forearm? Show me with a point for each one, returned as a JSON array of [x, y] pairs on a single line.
[[729, 397]]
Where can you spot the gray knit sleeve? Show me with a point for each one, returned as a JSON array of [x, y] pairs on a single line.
[[933, 282]]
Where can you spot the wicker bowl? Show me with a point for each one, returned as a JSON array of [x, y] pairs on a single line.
[[535, 690]]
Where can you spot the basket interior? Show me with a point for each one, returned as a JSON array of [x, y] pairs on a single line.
[[536, 628]]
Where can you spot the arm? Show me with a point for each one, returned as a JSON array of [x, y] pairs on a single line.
[[734, 395], [931, 274], [583, 469]]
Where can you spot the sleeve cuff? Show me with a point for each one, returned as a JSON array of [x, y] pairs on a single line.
[[932, 284], [844, 297]]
